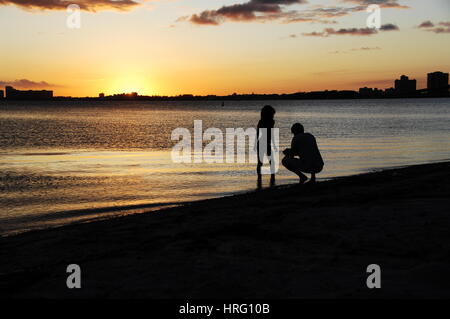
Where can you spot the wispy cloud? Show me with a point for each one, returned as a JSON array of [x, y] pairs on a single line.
[[351, 31], [441, 27], [248, 11], [28, 84], [382, 3], [366, 49], [355, 49], [270, 10], [87, 5], [323, 34], [426, 24]]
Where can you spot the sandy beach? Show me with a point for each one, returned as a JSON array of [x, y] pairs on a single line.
[[286, 242]]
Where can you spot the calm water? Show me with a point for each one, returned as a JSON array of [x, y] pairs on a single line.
[[62, 162]]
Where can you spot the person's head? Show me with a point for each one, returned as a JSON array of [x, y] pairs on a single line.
[[297, 128], [267, 112]]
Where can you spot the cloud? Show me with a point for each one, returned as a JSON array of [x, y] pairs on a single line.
[[248, 11], [28, 84], [320, 14], [299, 18], [440, 30], [389, 27], [351, 31], [355, 49], [382, 3], [443, 27], [366, 49], [86, 5], [270, 10], [267, 10], [426, 24], [315, 34], [207, 17]]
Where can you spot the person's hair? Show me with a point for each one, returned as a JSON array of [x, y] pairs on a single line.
[[297, 128], [267, 113]]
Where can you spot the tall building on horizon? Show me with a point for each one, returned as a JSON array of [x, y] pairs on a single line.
[[405, 87], [1, 94], [437, 83]]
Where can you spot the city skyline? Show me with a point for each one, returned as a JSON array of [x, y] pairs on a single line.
[[213, 47], [437, 86]]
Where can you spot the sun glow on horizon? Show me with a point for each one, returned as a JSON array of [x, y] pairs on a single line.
[[130, 84]]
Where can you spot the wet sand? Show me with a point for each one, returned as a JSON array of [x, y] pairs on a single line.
[[286, 242]]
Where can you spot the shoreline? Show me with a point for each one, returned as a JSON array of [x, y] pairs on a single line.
[[111, 212], [218, 99], [287, 242]]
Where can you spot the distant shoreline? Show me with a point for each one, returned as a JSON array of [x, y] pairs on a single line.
[[286, 242], [224, 99]]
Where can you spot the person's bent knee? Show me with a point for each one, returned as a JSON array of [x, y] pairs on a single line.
[[318, 170]]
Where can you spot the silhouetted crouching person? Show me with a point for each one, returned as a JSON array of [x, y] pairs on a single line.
[[305, 147]]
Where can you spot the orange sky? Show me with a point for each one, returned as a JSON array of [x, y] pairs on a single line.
[[159, 48]]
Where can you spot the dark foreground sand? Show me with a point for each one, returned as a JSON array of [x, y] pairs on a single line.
[[287, 242]]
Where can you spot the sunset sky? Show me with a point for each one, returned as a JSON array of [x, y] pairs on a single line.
[[170, 47]]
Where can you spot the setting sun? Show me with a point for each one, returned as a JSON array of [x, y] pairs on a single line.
[[130, 84]]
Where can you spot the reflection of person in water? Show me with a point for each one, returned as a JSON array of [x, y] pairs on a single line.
[[264, 139], [305, 147]]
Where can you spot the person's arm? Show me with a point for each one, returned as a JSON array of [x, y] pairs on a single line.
[[288, 151], [256, 148], [272, 142], [275, 147], [256, 138], [295, 151]]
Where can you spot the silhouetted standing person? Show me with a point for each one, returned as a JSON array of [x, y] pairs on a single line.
[[303, 146], [264, 141]]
